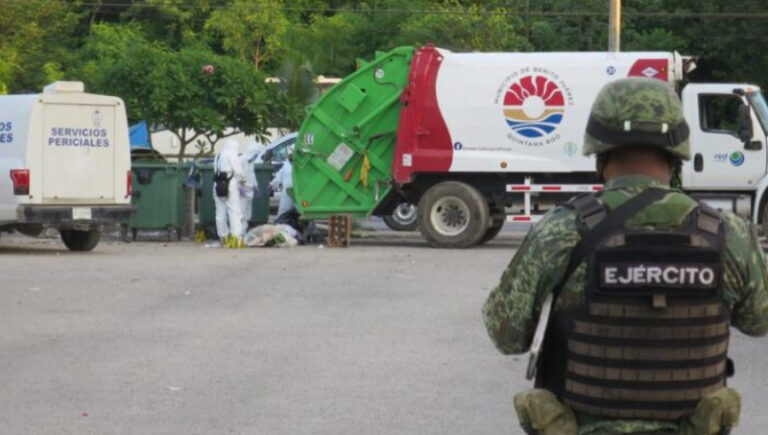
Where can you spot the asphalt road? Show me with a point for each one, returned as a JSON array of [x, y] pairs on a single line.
[[385, 337]]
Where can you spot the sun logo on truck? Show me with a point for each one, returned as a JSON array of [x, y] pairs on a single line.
[[534, 106]]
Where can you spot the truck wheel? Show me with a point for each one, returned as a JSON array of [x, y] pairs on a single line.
[[403, 218], [492, 231], [453, 215], [76, 240]]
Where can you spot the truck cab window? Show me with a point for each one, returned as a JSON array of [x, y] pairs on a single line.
[[720, 113], [760, 107], [279, 154]]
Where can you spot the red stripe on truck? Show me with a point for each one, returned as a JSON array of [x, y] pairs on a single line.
[[423, 140], [651, 68]]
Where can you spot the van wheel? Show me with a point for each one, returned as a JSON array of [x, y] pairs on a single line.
[[453, 215], [403, 218], [76, 240]]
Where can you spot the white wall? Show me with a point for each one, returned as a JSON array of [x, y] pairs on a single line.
[[165, 142]]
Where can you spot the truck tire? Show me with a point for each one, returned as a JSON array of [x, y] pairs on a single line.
[[404, 217], [453, 215], [76, 240], [492, 231]]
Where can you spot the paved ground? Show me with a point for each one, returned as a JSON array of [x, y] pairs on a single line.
[[385, 337]]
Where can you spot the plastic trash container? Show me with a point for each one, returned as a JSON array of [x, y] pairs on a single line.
[[260, 206], [206, 207], [159, 197]]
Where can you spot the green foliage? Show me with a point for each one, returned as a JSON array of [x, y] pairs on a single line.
[[173, 22], [46, 40], [172, 88], [36, 37], [297, 83], [328, 41], [464, 28], [251, 30], [654, 40]]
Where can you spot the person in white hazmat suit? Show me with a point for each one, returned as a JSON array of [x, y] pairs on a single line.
[[284, 178], [229, 220], [248, 160]]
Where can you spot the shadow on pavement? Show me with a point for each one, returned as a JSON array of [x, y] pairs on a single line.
[[36, 249], [414, 240]]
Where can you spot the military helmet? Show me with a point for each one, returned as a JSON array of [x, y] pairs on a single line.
[[637, 112]]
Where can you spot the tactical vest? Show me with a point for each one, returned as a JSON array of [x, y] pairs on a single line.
[[651, 337]]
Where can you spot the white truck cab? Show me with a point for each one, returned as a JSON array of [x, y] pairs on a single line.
[[64, 163], [729, 125]]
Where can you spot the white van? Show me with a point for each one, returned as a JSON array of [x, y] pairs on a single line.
[[67, 162]]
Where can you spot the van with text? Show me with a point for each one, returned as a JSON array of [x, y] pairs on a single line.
[[64, 163]]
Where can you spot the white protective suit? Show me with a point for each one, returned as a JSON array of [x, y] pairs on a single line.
[[251, 184], [284, 178], [229, 218]]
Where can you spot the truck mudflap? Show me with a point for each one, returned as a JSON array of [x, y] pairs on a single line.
[[62, 216], [343, 157]]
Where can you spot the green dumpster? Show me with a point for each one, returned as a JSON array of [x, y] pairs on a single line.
[[206, 208], [159, 197], [260, 206]]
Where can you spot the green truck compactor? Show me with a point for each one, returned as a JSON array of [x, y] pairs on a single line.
[[343, 156]]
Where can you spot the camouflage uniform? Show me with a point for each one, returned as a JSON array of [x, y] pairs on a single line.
[[512, 308]]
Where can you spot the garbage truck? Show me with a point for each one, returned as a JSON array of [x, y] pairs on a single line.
[[64, 163], [479, 139]]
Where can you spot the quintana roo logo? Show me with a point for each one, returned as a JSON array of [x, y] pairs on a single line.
[[534, 106], [736, 158]]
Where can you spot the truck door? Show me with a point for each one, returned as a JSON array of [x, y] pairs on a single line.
[[720, 158], [78, 153]]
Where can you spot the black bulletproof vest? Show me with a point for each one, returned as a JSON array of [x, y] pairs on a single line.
[[651, 337]]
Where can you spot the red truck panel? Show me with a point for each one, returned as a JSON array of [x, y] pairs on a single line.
[[422, 136], [651, 68]]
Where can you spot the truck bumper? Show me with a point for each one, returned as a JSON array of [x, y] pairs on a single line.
[[58, 215]]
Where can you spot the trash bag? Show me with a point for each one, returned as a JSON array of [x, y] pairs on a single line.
[[270, 235], [290, 218], [306, 231]]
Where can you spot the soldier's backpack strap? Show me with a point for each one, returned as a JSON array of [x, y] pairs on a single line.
[[597, 223], [589, 210]]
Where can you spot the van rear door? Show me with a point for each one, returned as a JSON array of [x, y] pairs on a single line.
[[78, 153]]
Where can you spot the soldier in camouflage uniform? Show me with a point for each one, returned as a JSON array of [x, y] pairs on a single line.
[[628, 167]]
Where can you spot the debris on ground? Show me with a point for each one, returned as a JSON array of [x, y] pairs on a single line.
[[281, 236]]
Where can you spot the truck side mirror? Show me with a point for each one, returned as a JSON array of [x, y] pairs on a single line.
[[745, 124]]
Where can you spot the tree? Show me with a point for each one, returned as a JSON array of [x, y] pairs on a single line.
[[329, 42], [251, 30], [36, 41], [192, 92], [297, 83], [465, 28], [175, 23]]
